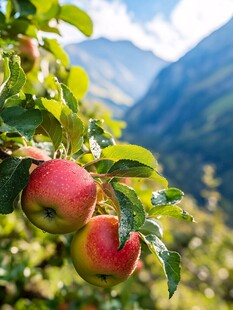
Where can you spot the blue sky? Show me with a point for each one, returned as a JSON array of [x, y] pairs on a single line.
[[169, 28]]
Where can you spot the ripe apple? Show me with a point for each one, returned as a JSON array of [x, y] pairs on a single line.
[[32, 152], [60, 196], [28, 52], [95, 255]]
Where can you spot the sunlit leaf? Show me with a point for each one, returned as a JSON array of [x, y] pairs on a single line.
[[46, 9], [98, 137], [132, 214], [72, 125], [170, 261], [172, 211], [69, 98], [14, 175], [51, 128], [74, 130], [76, 17], [22, 25], [151, 226], [55, 48], [130, 168], [170, 196], [52, 106], [131, 152], [78, 81], [14, 80]]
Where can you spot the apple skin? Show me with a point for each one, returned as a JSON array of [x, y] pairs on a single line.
[[60, 196], [28, 52], [95, 255], [32, 152]]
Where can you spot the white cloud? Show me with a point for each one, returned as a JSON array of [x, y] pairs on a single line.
[[190, 21]]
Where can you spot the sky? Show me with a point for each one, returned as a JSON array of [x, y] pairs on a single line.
[[169, 28]]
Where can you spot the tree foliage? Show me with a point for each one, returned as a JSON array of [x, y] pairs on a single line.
[[45, 107]]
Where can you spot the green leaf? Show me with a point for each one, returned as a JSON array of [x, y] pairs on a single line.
[[51, 127], [170, 261], [69, 98], [22, 25], [132, 213], [55, 48], [2, 21], [74, 130], [17, 119], [14, 80], [76, 17], [24, 7], [50, 105], [98, 137], [78, 81], [14, 175], [131, 152], [130, 168], [170, 196], [156, 176], [151, 226], [46, 10], [71, 123], [172, 211], [133, 161], [164, 202]]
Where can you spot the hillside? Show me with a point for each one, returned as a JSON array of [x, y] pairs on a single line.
[[119, 72], [187, 115]]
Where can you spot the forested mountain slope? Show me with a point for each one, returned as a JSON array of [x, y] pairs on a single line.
[[187, 115]]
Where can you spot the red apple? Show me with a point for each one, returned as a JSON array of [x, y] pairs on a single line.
[[32, 152], [95, 255], [28, 52], [60, 196]]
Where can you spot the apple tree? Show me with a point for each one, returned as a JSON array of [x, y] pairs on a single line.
[[44, 120]]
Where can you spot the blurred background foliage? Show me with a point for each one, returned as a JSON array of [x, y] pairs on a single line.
[[35, 267], [36, 270]]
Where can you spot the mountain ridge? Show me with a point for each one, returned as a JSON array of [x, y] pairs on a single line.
[[186, 115], [115, 69]]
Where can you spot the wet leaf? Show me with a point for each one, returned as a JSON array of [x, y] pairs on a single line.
[[151, 226], [69, 98], [172, 211], [98, 137], [132, 214], [17, 119], [170, 261], [170, 196], [14, 175]]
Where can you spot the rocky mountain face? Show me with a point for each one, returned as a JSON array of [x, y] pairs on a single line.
[[186, 117]]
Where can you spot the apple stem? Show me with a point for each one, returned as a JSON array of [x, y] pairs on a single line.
[[49, 213]]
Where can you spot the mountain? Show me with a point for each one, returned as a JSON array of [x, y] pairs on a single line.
[[119, 72], [187, 116]]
